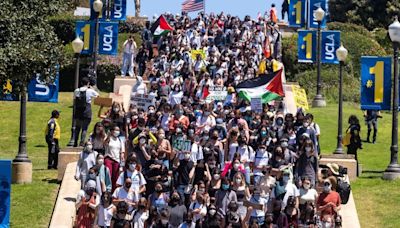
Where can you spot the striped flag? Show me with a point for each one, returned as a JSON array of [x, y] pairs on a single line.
[[192, 5]]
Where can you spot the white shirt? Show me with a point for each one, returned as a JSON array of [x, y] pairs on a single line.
[[256, 212], [90, 93], [196, 153], [246, 153], [203, 210], [105, 215], [308, 196], [139, 218], [82, 193], [165, 122], [129, 48], [136, 177], [175, 97], [208, 121], [114, 148], [261, 159], [121, 194]]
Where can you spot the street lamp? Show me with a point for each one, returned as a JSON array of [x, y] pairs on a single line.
[[97, 7], [341, 54], [319, 100], [393, 170], [77, 46]]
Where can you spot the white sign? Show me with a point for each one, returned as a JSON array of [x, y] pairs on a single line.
[[143, 101], [256, 105], [216, 93]]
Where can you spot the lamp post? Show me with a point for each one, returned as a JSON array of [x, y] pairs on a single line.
[[341, 54], [393, 170], [319, 100], [97, 7], [77, 46]]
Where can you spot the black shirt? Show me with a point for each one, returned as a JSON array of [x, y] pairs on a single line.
[[183, 171]]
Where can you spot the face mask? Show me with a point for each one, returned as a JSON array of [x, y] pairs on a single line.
[[128, 186], [284, 144], [206, 137], [164, 221], [188, 221], [89, 148], [187, 156], [100, 161], [142, 141], [285, 179], [116, 133], [262, 150], [151, 111], [161, 136], [279, 122], [116, 109], [308, 149], [263, 133], [132, 166], [236, 166], [191, 132], [327, 188], [178, 130], [158, 190], [306, 186], [305, 124], [206, 113], [98, 131], [226, 112], [238, 181], [177, 89], [216, 176], [92, 176], [225, 186], [212, 212]]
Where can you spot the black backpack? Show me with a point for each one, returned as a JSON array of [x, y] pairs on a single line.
[[80, 100], [343, 188]]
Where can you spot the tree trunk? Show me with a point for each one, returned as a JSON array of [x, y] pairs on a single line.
[[137, 8]]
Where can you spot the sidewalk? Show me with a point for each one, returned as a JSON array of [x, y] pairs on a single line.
[[349, 214]]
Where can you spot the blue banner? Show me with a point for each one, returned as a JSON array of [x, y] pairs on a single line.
[[5, 191], [117, 10], [85, 30], [314, 5], [296, 13], [43, 92], [9, 93], [108, 38], [307, 46], [330, 42], [376, 82]]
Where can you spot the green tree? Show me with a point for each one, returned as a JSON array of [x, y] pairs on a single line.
[[28, 45]]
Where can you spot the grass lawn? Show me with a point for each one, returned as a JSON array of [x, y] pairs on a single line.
[[32, 205]]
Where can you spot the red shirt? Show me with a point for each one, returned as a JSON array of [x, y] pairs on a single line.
[[325, 198]]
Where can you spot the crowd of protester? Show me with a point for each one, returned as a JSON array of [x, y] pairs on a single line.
[[242, 169]]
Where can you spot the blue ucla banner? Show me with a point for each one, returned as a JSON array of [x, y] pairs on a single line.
[[296, 13], [330, 42], [43, 92], [314, 5], [108, 38], [376, 83], [307, 46], [117, 10], [85, 30], [9, 92], [5, 191]]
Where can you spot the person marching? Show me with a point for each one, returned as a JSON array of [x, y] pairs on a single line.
[[371, 119], [53, 133]]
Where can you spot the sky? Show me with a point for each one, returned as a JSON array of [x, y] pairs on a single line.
[[234, 7]]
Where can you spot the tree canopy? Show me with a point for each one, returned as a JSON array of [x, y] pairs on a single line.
[[28, 44]]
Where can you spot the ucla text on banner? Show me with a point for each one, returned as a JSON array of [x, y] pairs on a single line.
[[376, 83], [300, 97], [85, 30], [307, 46], [43, 92], [108, 38], [5, 191], [117, 10], [330, 42], [314, 5], [297, 13], [9, 92]]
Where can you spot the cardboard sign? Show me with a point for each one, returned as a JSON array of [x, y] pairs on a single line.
[[256, 105], [216, 94], [103, 101], [143, 101], [300, 97], [181, 144]]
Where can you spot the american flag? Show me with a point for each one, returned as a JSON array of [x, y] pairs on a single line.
[[192, 5]]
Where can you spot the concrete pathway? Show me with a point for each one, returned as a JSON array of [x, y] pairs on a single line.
[[349, 214], [64, 211]]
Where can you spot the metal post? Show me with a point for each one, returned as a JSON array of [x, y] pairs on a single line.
[[73, 126], [339, 147], [22, 155], [96, 41], [318, 99], [393, 170]]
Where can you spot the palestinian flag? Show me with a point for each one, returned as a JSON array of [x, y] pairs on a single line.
[[268, 87], [160, 27]]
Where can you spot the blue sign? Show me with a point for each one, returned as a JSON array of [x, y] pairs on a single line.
[[296, 13], [9, 93], [314, 5], [330, 42], [85, 30], [117, 10], [43, 92], [108, 38], [307, 46], [5, 191], [376, 83]]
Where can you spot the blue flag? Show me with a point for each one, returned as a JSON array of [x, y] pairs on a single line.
[[43, 92], [108, 38], [330, 42], [85, 30], [5, 192], [296, 13], [307, 46], [314, 5], [376, 82], [116, 9]]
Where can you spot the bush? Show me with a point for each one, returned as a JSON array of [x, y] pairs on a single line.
[[64, 27], [381, 35]]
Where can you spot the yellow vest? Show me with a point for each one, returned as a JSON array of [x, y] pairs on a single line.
[[53, 124]]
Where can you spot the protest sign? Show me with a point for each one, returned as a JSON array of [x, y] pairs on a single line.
[[143, 101], [300, 97], [216, 93], [256, 105], [181, 144]]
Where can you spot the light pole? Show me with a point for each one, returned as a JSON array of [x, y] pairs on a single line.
[[97, 7], [77, 46], [393, 170], [341, 54], [319, 100]]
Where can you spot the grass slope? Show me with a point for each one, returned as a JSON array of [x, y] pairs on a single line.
[[31, 205]]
